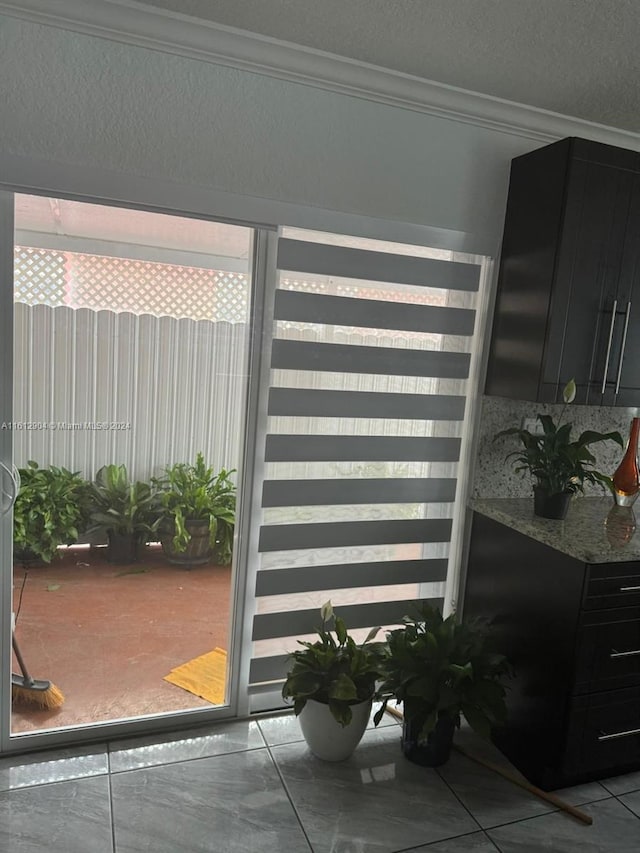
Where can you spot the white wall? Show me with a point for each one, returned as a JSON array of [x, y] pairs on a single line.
[[86, 102]]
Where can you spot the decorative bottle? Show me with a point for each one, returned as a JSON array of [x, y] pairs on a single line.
[[626, 480]]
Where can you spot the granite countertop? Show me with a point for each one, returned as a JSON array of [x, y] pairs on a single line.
[[594, 531]]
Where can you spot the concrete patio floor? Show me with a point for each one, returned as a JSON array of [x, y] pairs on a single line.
[[107, 634]]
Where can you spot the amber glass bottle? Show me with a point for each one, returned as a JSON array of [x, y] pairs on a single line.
[[626, 480]]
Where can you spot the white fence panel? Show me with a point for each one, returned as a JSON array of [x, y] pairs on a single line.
[[178, 384]]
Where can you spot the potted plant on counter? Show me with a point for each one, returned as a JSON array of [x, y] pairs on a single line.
[[332, 683], [196, 513], [441, 669], [559, 466], [123, 511], [51, 508]]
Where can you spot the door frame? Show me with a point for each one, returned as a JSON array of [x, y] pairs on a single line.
[[262, 255]]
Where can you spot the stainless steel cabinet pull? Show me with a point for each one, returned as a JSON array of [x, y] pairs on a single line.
[[624, 343], [606, 363], [615, 654], [628, 733], [629, 588]]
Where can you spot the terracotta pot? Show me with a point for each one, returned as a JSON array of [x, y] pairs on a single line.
[[326, 738]]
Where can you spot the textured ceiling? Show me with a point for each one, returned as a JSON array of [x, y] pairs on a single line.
[[575, 57]]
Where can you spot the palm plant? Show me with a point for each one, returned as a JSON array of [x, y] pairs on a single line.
[[188, 493]]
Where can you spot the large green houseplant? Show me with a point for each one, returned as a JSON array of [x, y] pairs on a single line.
[[196, 515], [51, 508], [122, 510], [558, 465], [442, 669], [332, 683]]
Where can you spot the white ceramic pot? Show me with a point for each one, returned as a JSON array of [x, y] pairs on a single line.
[[326, 738]]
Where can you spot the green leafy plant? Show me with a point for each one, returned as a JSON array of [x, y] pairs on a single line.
[[443, 668], [334, 670], [51, 507], [557, 463], [121, 506], [195, 493]]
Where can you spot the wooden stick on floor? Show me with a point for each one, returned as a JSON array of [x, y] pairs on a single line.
[[538, 792]]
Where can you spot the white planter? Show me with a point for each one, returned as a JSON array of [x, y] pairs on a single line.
[[326, 738]]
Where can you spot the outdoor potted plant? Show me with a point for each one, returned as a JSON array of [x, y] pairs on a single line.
[[332, 683], [51, 508], [560, 467], [441, 669], [196, 515], [123, 511]]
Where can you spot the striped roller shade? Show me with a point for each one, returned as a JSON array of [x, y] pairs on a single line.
[[369, 366]]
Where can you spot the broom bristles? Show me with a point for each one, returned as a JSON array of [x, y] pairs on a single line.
[[47, 700]]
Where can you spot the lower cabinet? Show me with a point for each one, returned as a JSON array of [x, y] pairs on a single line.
[[572, 632]]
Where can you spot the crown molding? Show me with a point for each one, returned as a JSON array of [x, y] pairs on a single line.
[[131, 22]]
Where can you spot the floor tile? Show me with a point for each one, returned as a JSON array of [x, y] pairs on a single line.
[[40, 768], [226, 804], [477, 842], [376, 801], [632, 801], [281, 728], [493, 800], [622, 784], [285, 728], [614, 830], [67, 817], [212, 740]]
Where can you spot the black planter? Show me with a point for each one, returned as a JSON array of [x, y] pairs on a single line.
[[123, 548], [551, 506], [436, 749]]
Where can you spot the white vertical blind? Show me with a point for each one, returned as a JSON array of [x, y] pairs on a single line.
[[370, 363]]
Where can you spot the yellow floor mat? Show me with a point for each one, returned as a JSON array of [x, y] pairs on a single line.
[[205, 676]]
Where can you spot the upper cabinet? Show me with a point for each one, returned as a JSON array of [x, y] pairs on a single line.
[[568, 301]]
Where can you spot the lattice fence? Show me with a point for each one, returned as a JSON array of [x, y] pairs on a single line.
[[100, 283]]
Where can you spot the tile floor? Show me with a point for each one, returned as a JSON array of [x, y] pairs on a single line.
[[253, 787]]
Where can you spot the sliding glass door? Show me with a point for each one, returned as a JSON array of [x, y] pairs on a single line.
[[124, 413]]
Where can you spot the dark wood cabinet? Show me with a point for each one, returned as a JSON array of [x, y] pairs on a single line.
[[568, 301], [572, 632]]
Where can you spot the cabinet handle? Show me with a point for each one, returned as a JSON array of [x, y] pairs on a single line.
[[606, 363], [624, 343], [615, 654], [628, 733], [629, 588]]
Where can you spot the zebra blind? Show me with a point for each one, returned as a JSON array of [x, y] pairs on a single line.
[[369, 369]]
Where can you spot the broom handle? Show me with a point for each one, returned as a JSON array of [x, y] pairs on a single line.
[[20, 659], [544, 795]]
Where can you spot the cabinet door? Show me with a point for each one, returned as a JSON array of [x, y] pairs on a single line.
[[625, 391], [584, 334]]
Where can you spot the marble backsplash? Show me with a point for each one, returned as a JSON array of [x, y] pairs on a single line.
[[495, 478]]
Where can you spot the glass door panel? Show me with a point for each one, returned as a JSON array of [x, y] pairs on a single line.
[[131, 339]]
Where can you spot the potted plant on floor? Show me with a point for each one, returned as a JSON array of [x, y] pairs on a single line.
[[332, 683], [123, 511], [51, 508], [441, 669], [559, 467], [196, 515]]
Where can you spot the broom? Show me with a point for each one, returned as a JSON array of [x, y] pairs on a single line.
[[26, 690]]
